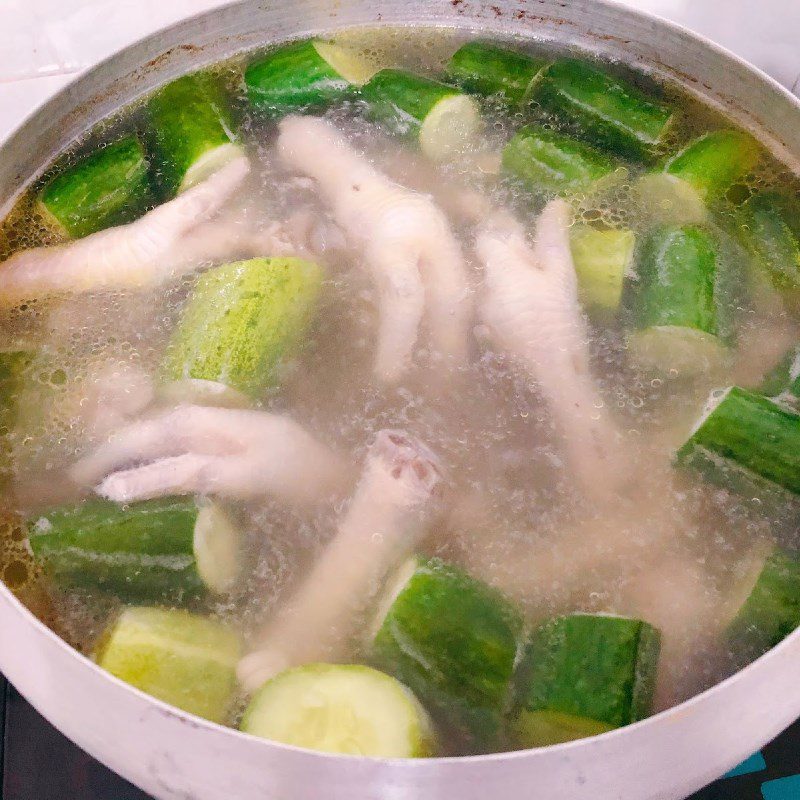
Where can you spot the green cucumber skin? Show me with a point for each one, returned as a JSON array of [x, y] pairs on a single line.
[[401, 100], [593, 667], [609, 112], [140, 553], [108, 187], [485, 69], [453, 641], [772, 611], [291, 78], [749, 445], [677, 280], [713, 162], [769, 229], [188, 117], [241, 320], [545, 160]]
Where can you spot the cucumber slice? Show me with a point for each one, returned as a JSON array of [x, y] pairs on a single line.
[[166, 551], [307, 74], [183, 659], [609, 112], [712, 163], [335, 708], [602, 261], [772, 609], [584, 674], [109, 187], [192, 130], [769, 225], [749, 445], [445, 121], [354, 66], [548, 161], [676, 306], [670, 200], [454, 642], [486, 69], [241, 320]]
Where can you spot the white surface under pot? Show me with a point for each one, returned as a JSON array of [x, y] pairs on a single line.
[[175, 756]]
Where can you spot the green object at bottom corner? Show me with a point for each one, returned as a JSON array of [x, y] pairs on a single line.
[[241, 320]]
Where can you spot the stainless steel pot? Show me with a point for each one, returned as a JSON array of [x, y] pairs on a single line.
[[173, 755]]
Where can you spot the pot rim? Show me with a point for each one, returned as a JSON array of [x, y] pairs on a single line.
[[661, 71]]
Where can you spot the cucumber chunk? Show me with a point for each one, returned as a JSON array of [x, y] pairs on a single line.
[[348, 709], [675, 306], [183, 659], [712, 163], [772, 609], [453, 641], [602, 261], [748, 444], [769, 224], [163, 551], [307, 74], [545, 160], [697, 176], [444, 121], [192, 130], [608, 111], [241, 320], [489, 70], [108, 187], [584, 674]]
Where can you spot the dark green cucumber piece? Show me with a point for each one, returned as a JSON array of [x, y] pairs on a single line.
[[712, 163], [166, 551], [307, 74], [453, 641], [676, 305], [183, 659], [241, 320], [697, 176], [772, 609], [784, 379], [193, 131], [584, 674], [770, 225], [608, 112], [108, 187], [444, 120], [341, 708], [489, 70], [545, 160], [748, 444]]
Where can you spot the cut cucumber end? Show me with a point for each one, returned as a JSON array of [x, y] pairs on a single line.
[[210, 162], [602, 261], [183, 659], [545, 728], [348, 709], [352, 65], [217, 549], [201, 392], [50, 222], [670, 200], [747, 574], [686, 351], [451, 127]]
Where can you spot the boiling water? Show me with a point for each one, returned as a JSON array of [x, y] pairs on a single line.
[[667, 551]]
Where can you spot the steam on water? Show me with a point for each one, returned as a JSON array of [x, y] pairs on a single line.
[[667, 551]]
